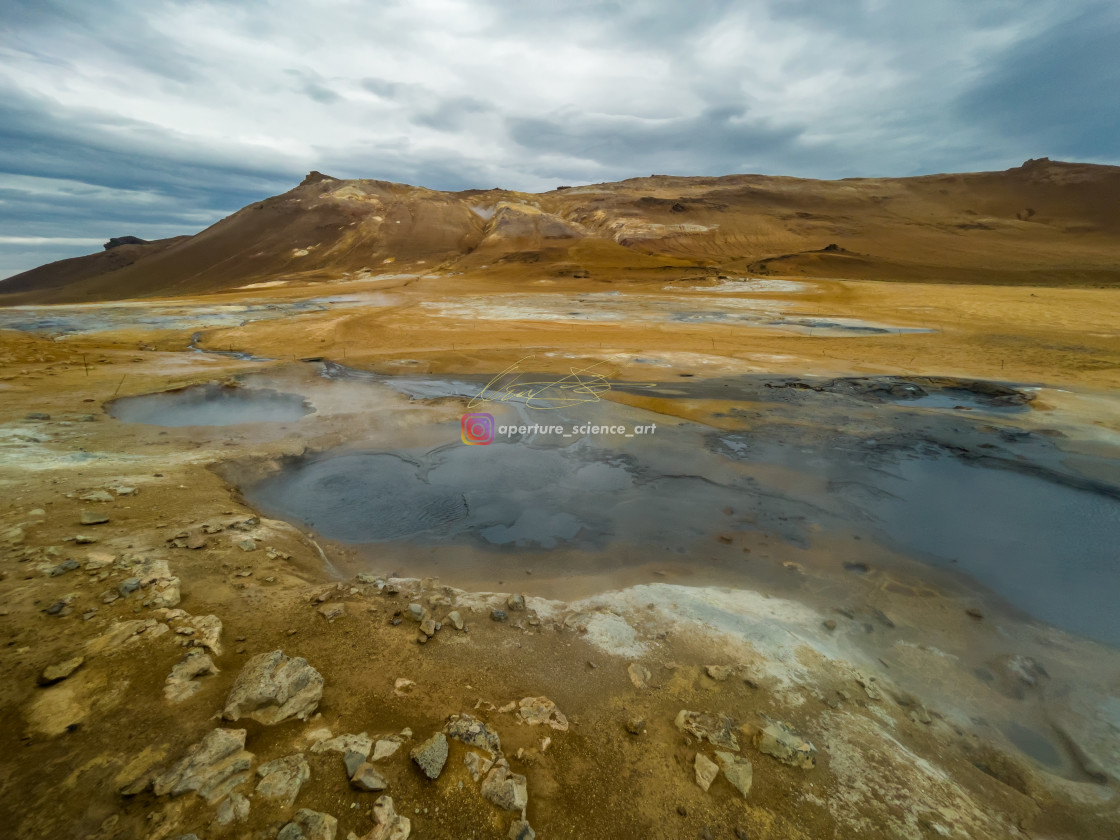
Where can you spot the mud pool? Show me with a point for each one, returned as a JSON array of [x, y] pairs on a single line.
[[210, 405], [1001, 508]]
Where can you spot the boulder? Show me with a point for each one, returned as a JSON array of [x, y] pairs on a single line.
[[272, 688]]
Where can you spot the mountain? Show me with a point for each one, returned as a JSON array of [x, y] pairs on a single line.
[[1044, 222]]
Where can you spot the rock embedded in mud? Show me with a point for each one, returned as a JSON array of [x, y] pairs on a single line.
[[282, 779], [521, 830], [509, 791], [498, 615], [90, 517], [56, 673], [636, 726], [540, 710], [639, 675], [737, 770], [706, 771], [272, 688], [211, 768], [309, 825], [360, 743], [431, 755], [97, 496], [719, 673], [718, 730], [782, 742]]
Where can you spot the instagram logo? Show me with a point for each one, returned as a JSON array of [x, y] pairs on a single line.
[[478, 429]]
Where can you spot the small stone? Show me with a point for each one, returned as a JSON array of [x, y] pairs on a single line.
[[719, 730], [706, 771], [516, 603], [56, 673], [719, 673], [367, 778], [85, 539], [385, 748], [829, 624], [498, 615], [129, 585], [454, 619], [636, 726], [972, 612], [505, 789], [37, 415], [921, 715], [97, 496], [390, 825], [540, 710], [639, 675], [65, 566], [477, 766], [428, 627], [332, 611], [247, 544], [431, 755], [89, 517], [521, 830], [352, 761], [97, 560]]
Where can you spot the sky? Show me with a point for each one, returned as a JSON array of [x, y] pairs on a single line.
[[160, 117]]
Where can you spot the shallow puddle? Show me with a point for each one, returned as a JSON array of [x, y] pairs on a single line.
[[210, 405]]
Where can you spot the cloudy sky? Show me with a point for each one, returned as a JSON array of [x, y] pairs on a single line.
[[159, 117]]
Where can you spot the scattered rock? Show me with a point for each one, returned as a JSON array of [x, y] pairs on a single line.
[[785, 744], [89, 517], [367, 778], [516, 603], [56, 673], [248, 544], [272, 687], [207, 632], [128, 586], [344, 744], [470, 730], [829, 624], [389, 825], [477, 766], [332, 611], [737, 770], [498, 615], [540, 710], [636, 726], [352, 761], [403, 686], [309, 825], [719, 673], [212, 768], [416, 612], [98, 560], [97, 496], [706, 771], [454, 619], [719, 730], [384, 748], [282, 778], [507, 790], [85, 539], [428, 627], [65, 566], [639, 675], [431, 755], [36, 415], [182, 682], [521, 830]]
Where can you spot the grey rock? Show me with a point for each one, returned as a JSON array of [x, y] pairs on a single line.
[[281, 779], [416, 612], [498, 615], [128, 586], [85, 539], [182, 682], [56, 673], [37, 415], [97, 496], [273, 687], [234, 808], [505, 789], [90, 517], [737, 770], [431, 755], [521, 830], [470, 730], [211, 768], [309, 825], [367, 778], [352, 761], [718, 730], [706, 770], [785, 744], [65, 566]]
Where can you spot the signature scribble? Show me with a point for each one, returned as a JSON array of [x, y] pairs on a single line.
[[581, 385]]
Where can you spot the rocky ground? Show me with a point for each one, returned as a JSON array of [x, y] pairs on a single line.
[[175, 664]]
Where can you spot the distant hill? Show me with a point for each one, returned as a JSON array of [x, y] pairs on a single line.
[[1044, 222]]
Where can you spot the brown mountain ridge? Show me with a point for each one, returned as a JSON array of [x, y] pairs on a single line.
[[1042, 223]]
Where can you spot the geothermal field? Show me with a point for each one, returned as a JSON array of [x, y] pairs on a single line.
[[739, 507]]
